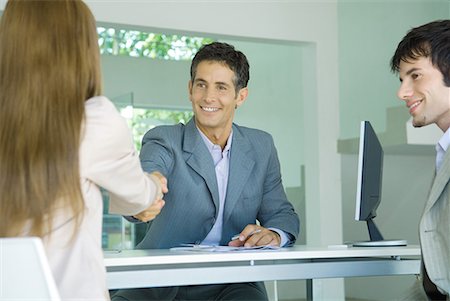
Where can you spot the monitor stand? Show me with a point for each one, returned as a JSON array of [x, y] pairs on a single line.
[[381, 243], [377, 240]]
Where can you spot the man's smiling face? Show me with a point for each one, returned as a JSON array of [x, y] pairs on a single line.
[[424, 92], [214, 98]]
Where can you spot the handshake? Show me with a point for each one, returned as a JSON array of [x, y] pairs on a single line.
[[155, 208]]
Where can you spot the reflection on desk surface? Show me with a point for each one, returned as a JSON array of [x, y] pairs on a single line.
[[165, 256]]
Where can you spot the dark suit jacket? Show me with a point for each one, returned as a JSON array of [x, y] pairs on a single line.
[[254, 191]]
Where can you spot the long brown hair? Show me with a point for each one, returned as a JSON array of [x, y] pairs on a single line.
[[49, 67]]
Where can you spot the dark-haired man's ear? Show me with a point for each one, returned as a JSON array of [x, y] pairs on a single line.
[[190, 90], [190, 87], [242, 96]]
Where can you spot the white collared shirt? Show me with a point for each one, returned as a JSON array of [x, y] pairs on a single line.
[[441, 148], [221, 160]]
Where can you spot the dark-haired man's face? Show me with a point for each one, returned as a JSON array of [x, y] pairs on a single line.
[[214, 98], [424, 92]]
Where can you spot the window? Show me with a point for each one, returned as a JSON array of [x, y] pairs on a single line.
[[135, 43], [117, 232], [142, 120]]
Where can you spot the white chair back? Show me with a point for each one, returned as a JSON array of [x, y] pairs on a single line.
[[24, 271]]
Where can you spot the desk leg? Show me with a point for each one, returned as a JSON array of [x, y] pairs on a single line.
[[272, 290], [309, 289], [325, 289]]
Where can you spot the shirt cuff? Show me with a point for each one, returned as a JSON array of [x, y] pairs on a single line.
[[132, 219], [283, 236]]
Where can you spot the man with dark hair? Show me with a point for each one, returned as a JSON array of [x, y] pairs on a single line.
[[422, 60], [224, 179]]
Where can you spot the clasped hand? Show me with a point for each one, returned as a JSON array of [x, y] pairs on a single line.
[[155, 208], [254, 235]]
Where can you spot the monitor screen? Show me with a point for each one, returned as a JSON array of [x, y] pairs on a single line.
[[368, 194]]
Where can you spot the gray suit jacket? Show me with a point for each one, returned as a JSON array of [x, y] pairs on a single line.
[[254, 192], [434, 229]]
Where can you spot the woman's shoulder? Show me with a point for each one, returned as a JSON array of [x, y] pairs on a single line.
[[99, 104]]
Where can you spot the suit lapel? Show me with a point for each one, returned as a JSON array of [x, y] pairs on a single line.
[[241, 165], [440, 181], [200, 160]]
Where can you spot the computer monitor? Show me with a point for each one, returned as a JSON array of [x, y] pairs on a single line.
[[368, 194]]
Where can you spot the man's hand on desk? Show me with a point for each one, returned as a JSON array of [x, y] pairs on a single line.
[[155, 208], [254, 235]]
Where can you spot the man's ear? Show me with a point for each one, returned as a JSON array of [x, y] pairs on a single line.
[[242, 96], [190, 87], [190, 90]]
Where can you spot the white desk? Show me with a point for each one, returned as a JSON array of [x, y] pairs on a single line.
[[153, 268]]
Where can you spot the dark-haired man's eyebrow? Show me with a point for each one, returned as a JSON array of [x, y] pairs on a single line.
[[223, 84], [199, 80], [412, 70]]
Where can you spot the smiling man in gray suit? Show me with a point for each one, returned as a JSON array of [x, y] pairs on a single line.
[[224, 179], [422, 60]]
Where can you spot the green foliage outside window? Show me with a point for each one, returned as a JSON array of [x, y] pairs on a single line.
[[152, 45], [146, 119]]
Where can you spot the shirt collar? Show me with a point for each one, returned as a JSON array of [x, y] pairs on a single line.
[[211, 146], [444, 142]]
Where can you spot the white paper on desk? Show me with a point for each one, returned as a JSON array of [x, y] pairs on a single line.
[[210, 248]]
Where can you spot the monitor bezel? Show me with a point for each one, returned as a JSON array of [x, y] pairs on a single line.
[[370, 173]]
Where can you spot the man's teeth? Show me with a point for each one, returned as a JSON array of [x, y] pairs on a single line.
[[415, 104], [209, 109]]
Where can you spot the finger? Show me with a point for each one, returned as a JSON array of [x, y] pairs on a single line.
[[151, 212], [254, 239], [235, 243], [149, 215], [157, 174], [160, 177], [164, 185], [263, 238], [247, 232], [159, 203], [140, 217], [155, 208], [164, 188], [162, 181]]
